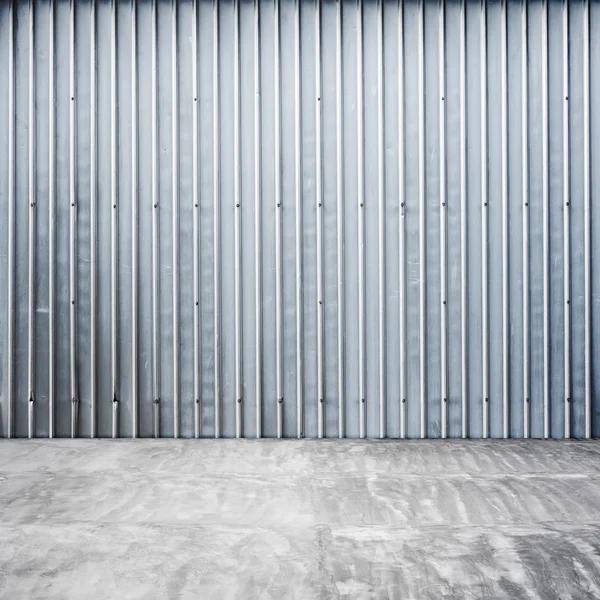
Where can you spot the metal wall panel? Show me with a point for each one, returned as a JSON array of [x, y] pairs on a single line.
[[268, 218]]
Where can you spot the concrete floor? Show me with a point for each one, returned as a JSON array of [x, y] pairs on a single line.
[[299, 519]]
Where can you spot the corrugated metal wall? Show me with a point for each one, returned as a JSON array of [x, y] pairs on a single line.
[[330, 219]]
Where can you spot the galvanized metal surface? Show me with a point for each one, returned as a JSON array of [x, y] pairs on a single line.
[[293, 219]]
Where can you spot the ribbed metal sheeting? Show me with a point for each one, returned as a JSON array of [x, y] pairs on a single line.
[[331, 219]]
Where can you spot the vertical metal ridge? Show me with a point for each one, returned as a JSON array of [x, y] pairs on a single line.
[[257, 223], [298, 224], [566, 220], [339, 153], [73, 228], [155, 232], [238, 220], [195, 225], [525, 208], [10, 385], [93, 224], [504, 192], [545, 220], [484, 221], [443, 222], [216, 218], [175, 215], [381, 226], [114, 224], [360, 170], [319, 215], [422, 225], [402, 223], [134, 225], [587, 221], [32, 227], [51, 217], [463, 226], [277, 211]]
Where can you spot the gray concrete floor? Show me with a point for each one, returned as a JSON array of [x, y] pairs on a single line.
[[299, 519]]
